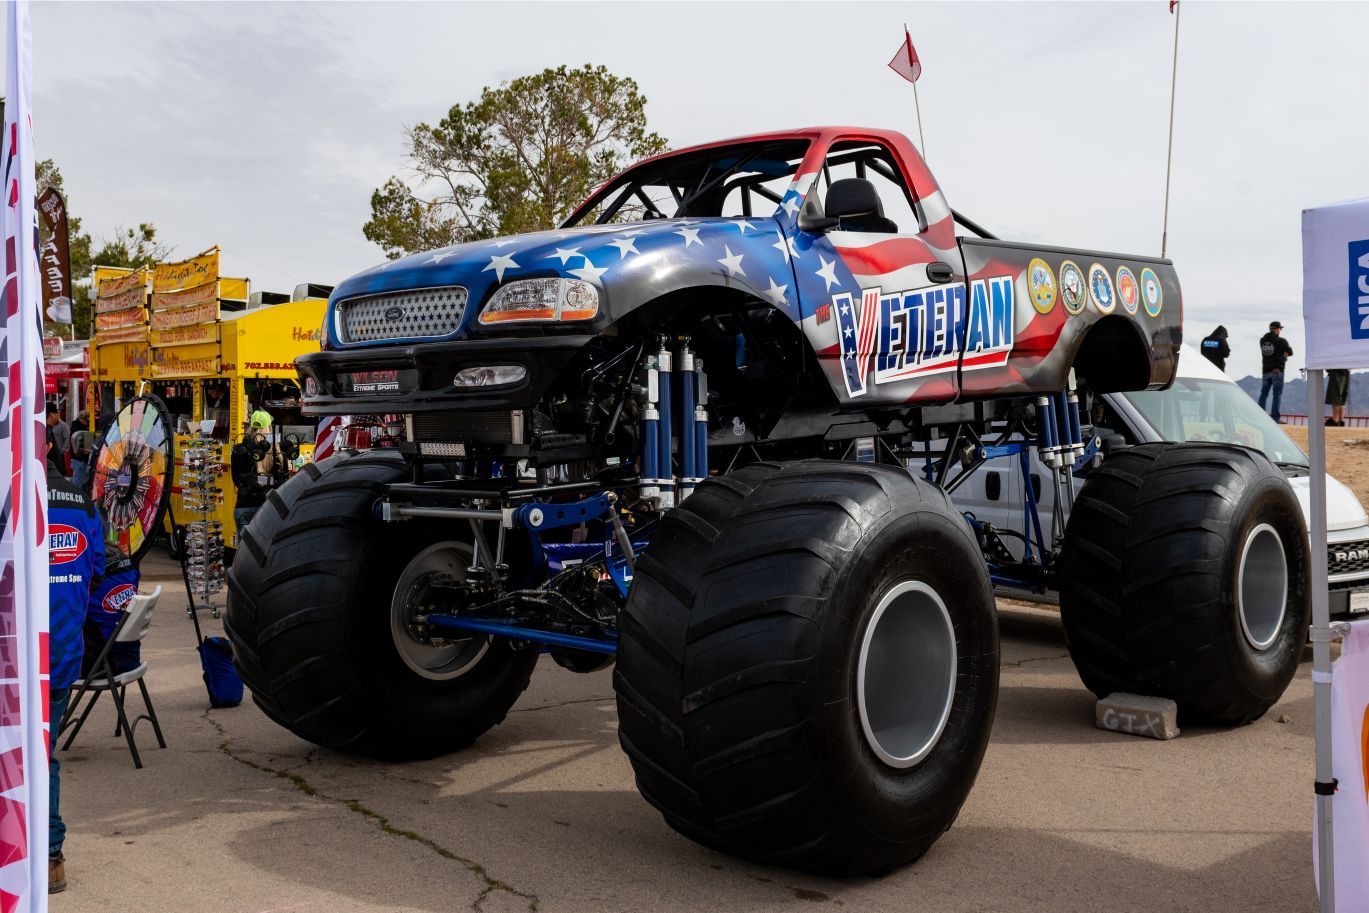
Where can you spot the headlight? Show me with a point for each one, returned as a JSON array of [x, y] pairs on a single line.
[[490, 376], [542, 299]]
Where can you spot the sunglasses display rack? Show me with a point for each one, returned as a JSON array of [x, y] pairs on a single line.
[[201, 496]]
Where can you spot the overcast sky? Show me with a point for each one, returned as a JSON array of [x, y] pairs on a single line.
[[265, 127]]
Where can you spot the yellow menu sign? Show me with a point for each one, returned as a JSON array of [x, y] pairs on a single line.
[[183, 274]]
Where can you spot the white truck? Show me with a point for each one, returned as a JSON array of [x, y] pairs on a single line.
[[1202, 405]]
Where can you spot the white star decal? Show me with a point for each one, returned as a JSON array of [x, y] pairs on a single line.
[[564, 254], [786, 246], [791, 204], [440, 256], [845, 309], [690, 235], [848, 332], [589, 272], [733, 262], [625, 245], [828, 271], [776, 293], [743, 225], [499, 263]]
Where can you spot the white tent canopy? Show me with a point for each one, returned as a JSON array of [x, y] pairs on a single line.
[[1335, 289], [1335, 254]]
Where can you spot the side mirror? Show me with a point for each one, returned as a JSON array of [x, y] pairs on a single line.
[[812, 219], [1112, 443]]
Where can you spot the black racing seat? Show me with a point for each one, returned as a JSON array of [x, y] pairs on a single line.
[[854, 202]]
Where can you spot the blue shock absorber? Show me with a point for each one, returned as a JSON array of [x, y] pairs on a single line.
[[1045, 424], [665, 468], [1076, 425], [1066, 433], [701, 427], [651, 427], [688, 449]]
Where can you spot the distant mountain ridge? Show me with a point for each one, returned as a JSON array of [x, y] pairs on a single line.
[[1294, 399]]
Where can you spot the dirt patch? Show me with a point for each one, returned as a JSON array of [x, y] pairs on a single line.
[[1347, 455]]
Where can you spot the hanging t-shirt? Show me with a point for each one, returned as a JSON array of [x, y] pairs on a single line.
[[108, 601]]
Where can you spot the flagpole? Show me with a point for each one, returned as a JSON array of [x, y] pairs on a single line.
[[917, 108], [1169, 151]]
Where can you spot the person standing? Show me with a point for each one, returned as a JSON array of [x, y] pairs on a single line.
[[1274, 352], [76, 556], [1337, 392], [252, 464], [1215, 348], [59, 439], [82, 438]]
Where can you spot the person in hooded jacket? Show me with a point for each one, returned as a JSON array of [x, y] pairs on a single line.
[[1215, 348], [76, 558]]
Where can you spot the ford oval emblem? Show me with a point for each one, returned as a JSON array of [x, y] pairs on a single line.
[[394, 313]]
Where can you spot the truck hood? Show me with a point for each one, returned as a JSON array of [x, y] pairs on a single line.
[[1343, 509], [604, 254]]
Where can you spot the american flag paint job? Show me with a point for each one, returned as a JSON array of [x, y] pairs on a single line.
[[856, 277]]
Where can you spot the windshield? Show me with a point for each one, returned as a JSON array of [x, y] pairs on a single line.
[[1214, 410], [743, 180]]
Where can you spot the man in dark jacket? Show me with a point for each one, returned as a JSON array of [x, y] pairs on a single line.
[[76, 556], [1215, 348], [1274, 352]]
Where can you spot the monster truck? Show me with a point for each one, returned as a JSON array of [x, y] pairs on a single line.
[[708, 428]]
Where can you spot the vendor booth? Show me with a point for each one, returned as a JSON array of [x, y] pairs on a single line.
[[213, 354]]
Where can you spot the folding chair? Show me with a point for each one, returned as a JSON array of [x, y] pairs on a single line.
[[133, 626]]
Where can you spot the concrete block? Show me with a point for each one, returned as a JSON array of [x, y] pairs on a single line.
[[1135, 714]]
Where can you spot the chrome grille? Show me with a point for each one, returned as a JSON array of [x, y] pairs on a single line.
[[1348, 557], [416, 314]]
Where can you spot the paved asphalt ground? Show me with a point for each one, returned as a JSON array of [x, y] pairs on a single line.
[[239, 815]]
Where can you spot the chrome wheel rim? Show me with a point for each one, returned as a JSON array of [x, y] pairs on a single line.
[[905, 678], [451, 657], [1262, 587]]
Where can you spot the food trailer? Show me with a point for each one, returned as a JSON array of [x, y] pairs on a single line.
[[212, 352]]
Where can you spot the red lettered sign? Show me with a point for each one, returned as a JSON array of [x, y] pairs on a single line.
[[65, 544]]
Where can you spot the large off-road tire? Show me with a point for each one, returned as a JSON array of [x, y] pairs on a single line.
[[1184, 575], [312, 621], [808, 666]]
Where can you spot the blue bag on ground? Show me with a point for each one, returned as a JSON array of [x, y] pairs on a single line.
[[222, 680]]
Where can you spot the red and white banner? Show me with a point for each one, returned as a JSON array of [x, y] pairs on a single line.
[[329, 436], [1350, 766], [23, 539]]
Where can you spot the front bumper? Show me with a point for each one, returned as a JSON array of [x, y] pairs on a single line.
[[425, 372]]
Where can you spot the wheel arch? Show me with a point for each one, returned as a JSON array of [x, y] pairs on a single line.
[[1114, 355]]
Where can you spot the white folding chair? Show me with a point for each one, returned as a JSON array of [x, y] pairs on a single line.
[[133, 626]]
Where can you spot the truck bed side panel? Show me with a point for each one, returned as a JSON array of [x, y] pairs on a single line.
[[1059, 297]]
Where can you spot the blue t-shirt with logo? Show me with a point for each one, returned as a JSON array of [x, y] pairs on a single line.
[[108, 601], [76, 557]]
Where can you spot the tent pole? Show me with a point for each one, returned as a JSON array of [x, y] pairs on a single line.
[[1321, 633]]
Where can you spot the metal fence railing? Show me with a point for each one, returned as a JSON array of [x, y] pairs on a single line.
[[1351, 421]]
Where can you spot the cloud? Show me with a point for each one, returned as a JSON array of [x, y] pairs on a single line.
[[265, 127]]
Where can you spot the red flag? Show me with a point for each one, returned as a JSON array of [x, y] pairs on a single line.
[[905, 62], [1173, 4]]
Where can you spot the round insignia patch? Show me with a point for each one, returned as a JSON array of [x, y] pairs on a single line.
[[1151, 293], [1100, 289], [1072, 287], [1041, 284], [1127, 290]]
